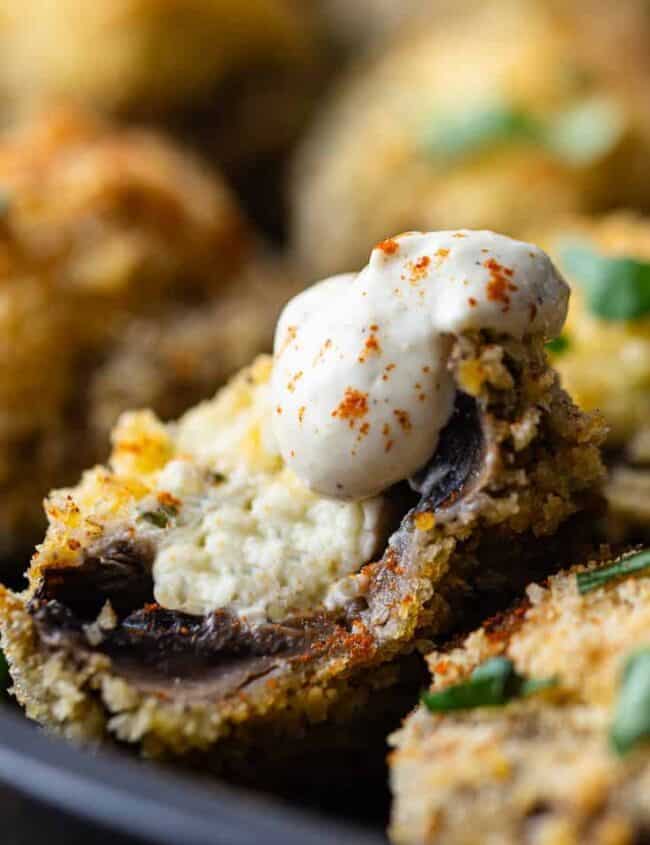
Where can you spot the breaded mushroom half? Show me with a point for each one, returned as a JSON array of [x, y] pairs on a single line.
[[115, 246], [488, 119], [603, 356], [565, 765], [196, 598]]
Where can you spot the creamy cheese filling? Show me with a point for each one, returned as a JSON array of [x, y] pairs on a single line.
[[239, 530], [361, 386]]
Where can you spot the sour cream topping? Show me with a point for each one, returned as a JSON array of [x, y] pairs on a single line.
[[361, 388]]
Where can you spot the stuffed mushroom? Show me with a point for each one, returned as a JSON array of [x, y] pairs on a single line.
[[487, 118], [265, 563], [603, 355], [537, 726]]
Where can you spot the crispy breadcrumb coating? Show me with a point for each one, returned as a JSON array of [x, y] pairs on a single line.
[[539, 769]]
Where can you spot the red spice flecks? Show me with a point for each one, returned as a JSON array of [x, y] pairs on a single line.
[[403, 419], [74, 545], [290, 336], [370, 347], [327, 344], [426, 369], [353, 406], [291, 385], [442, 253], [385, 430], [389, 246], [499, 286], [301, 413], [472, 302], [388, 446], [387, 369], [167, 500], [419, 268], [363, 431]]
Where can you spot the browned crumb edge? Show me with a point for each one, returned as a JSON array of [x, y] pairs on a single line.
[[538, 769], [540, 467]]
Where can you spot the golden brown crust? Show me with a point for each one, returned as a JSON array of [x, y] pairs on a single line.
[[539, 769]]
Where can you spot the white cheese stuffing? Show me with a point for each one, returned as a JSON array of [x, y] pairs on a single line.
[[248, 535], [361, 387]]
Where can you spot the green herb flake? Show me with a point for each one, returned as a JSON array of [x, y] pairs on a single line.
[[629, 565], [559, 345], [585, 132], [218, 477], [493, 684], [631, 725], [161, 517], [475, 130], [614, 288]]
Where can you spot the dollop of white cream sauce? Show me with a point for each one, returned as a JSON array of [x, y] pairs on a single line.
[[361, 387]]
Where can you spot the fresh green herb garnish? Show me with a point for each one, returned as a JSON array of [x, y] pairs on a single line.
[[493, 684], [218, 477], [578, 135], [161, 517], [585, 132], [475, 130], [632, 717], [614, 288], [558, 345], [588, 581]]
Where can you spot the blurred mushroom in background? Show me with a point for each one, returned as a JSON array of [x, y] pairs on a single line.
[[235, 79], [128, 276], [603, 355], [488, 118]]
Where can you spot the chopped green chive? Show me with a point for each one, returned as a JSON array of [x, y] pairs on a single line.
[[218, 477], [614, 288], [585, 132], [493, 684], [631, 724], [578, 135], [629, 565], [558, 345], [475, 130], [161, 517]]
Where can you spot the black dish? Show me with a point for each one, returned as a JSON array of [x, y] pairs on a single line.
[[140, 800]]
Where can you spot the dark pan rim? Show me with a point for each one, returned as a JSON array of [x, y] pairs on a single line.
[[151, 803]]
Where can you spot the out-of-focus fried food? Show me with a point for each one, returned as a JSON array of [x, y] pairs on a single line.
[[488, 119], [604, 353], [143, 54], [104, 231], [568, 764]]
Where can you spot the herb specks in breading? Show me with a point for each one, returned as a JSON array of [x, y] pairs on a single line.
[[161, 517], [629, 565], [493, 684], [631, 724]]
